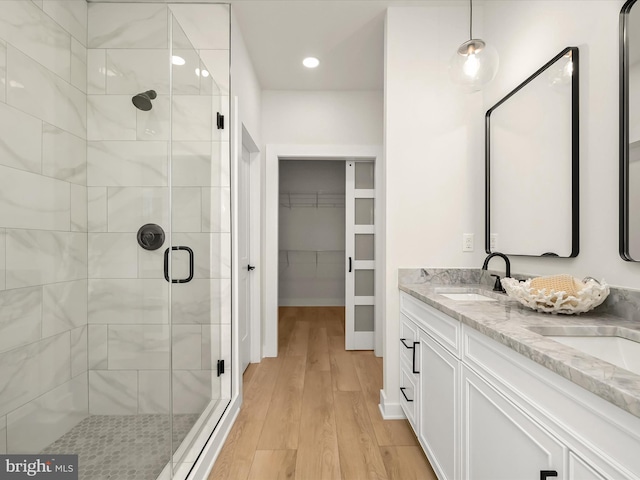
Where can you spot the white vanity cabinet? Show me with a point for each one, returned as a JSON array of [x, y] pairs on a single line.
[[581, 470], [482, 411], [439, 416], [502, 442], [436, 353], [409, 393], [600, 440]]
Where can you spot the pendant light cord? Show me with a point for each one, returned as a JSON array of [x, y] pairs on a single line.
[[470, 18]]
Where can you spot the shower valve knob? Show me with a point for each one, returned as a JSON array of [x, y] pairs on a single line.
[[150, 236]]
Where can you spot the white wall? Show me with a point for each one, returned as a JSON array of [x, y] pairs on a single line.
[[244, 83], [301, 124], [513, 27], [322, 117], [246, 89], [434, 137], [434, 157]]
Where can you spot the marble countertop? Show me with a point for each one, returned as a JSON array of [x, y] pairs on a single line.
[[517, 327]]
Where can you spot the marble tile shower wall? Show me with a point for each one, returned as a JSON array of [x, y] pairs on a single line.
[[43, 222], [127, 179]]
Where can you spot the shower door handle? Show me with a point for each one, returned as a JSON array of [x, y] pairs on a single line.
[[166, 265]]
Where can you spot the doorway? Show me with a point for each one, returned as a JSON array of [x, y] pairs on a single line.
[[311, 233], [270, 244]]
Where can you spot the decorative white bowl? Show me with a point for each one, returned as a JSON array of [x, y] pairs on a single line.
[[550, 301]]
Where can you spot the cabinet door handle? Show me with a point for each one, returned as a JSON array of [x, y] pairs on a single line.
[[403, 340], [350, 265], [413, 347], [402, 389], [544, 474]]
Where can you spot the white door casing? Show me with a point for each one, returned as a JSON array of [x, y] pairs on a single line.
[[269, 252]]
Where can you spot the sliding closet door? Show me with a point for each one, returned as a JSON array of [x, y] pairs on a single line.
[[359, 246]]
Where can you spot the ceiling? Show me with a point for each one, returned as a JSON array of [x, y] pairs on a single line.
[[347, 36]]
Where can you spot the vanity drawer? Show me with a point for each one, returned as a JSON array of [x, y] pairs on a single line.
[[408, 394], [442, 327], [408, 341]]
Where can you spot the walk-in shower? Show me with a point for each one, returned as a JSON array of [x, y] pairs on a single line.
[[115, 243]]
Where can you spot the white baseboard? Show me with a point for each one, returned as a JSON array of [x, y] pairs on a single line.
[[213, 447], [311, 302], [390, 411]]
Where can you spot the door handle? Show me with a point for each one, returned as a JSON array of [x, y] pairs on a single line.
[[166, 265], [350, 265], [251, 267], [544, 474]]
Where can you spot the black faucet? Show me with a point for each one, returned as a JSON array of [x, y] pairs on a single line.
[[497, 287]]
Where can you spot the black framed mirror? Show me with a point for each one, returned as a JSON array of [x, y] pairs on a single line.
[[630, 132], [532, 161]]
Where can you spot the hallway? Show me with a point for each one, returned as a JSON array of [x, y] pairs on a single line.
[[312, 412]]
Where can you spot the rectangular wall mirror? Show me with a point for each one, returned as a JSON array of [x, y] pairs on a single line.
[[630, 132], [532, 156]]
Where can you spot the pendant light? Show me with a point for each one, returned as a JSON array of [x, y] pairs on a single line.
[[475, 63]]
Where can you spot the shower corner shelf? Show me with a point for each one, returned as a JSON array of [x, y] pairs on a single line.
[[312, 200]]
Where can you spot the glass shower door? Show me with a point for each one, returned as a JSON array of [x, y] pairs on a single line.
[[199, 261]]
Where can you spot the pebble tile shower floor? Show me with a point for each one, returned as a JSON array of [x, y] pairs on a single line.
[[122, 447]]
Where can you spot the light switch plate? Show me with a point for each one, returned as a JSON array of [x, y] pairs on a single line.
[[467, 242], [493, 242]]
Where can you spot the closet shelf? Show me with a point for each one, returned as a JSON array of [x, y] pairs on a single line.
[[312, 200], [311, 257]]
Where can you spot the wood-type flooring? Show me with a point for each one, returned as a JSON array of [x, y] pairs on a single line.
[[312, 413]]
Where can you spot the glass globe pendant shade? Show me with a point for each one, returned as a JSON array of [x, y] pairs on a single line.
[[474, 64]]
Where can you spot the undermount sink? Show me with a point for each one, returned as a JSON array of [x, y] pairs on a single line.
[[619, 351], [468, 297]]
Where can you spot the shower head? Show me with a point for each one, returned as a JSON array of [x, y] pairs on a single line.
[[143, 100]]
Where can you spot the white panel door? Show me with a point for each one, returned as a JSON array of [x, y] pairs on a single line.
[[359, 246], [244, 270]]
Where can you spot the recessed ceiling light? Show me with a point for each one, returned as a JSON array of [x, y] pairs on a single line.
[[176, 60], [311, 62]]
